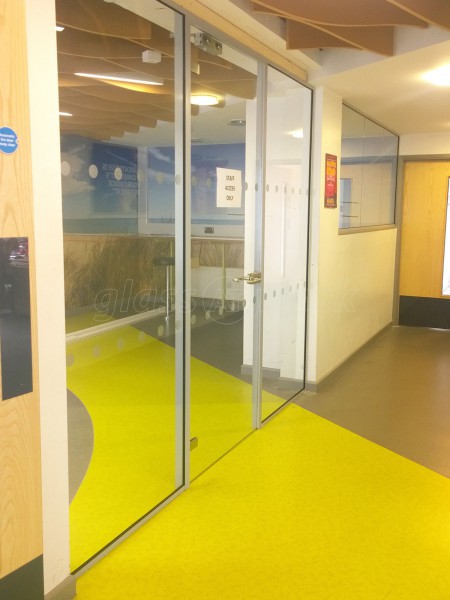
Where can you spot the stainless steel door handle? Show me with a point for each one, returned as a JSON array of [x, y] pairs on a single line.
[[251, 278]]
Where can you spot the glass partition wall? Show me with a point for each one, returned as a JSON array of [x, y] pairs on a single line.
[[119, 99], [185, 325], [286, 210], [368, 172]]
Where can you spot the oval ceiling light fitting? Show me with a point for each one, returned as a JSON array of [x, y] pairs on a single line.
[[204, 100]]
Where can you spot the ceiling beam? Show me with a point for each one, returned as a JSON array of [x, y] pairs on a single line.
[[300, 36], [434, 12], [374, 39], [90, 45], [97, 16], [351, 13]]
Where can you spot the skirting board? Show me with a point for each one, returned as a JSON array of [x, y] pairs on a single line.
[[314, 386], [66, 590], [26, 583], [425, 312]]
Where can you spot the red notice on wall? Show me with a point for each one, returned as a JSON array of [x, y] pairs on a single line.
[[330, 181]]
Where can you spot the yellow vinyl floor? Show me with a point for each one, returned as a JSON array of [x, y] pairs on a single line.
[[125, 379], [302, 509]]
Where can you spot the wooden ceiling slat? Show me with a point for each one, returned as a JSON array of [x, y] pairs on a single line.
[[117, 126], [143, 88], [161, 40], [96, 16], [90, 45], [75, 98], [92, 116], [375, 39], [118, 120], [300, 36], [134, 121], [71, 81], [212, 59], [106, 131], [435, 12], [209, 72], [241, 89], [88, 134], [77, 64], [351, 13], [160, 116], [128, 97], [83, 100], [164, 69]]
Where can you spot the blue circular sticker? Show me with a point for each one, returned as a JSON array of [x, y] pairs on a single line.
[[8, 140]]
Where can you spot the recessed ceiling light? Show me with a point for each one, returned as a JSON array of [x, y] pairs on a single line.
[[123, 77], [439, 76], [204, 100], [65, 114]]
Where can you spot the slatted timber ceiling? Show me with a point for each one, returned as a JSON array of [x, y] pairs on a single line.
[[104, 38], [358, 24]]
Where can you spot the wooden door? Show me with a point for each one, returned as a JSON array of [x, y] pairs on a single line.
[[425, 197]]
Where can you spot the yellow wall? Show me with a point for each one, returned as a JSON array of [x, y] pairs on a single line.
[[20, 474]]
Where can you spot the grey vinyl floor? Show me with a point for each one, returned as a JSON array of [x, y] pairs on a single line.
[[396, 393]]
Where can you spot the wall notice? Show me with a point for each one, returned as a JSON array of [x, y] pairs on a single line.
[[8, 140], [229, 188], [330, 181]]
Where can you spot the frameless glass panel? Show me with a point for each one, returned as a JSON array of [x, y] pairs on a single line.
[[223, 139], [117, 102], [351, 168], [286, 239], [368, 172], [446, 270]]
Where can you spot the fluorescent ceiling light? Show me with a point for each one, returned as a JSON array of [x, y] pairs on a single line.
[[123, 77], [65, 114], [205, 100], [439, 76], [59, 28]]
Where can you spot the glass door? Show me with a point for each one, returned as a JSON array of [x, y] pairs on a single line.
[[223, 101], [287, 166], [121, 103], [250, 153], [143, 332]]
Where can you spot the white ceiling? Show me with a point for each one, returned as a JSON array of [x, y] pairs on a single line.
[[392, 90]]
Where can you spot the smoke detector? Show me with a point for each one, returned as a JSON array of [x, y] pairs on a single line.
[[151, 56]]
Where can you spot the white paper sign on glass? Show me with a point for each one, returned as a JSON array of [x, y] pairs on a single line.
[[229, 188]]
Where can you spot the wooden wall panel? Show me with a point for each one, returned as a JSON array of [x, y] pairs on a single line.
[[20, 474], [423, 228]]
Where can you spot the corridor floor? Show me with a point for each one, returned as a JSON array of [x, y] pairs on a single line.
[[395, 392], [306, 508]]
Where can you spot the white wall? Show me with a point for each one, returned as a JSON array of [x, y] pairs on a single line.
[[425, 144], [351, 276], [43, 87]]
